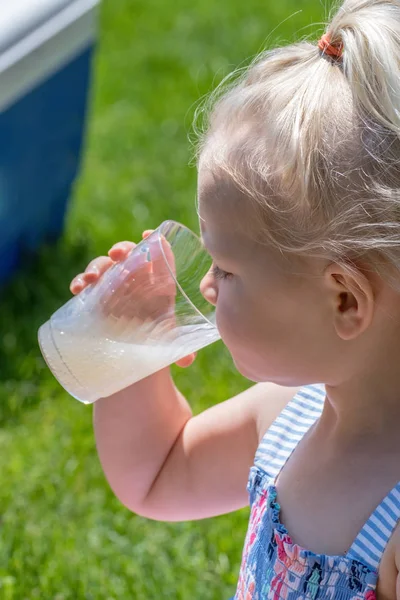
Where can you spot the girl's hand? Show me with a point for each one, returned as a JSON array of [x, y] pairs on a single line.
[[100, 265]]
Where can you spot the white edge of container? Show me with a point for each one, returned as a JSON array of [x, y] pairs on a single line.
[[47, 49]]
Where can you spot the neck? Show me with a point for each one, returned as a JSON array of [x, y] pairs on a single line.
[[363, 409], [366, 401]]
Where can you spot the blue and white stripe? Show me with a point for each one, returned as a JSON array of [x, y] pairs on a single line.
[[372, 540], [280, 441], [289, 428]]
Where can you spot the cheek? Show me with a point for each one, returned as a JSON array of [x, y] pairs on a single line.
[[252, 323], [271, 337], [243, 333], [233, 314]]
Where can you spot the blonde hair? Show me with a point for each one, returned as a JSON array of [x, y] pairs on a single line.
[[314, 141]]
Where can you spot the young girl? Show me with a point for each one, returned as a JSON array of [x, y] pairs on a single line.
[[299, 203]]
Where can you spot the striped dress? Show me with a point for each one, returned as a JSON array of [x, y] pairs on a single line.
[[275, 568]]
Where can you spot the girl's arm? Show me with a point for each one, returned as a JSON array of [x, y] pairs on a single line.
[[164, 464]]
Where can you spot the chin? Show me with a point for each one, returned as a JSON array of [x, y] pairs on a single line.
[[248, 372], [251, 374]]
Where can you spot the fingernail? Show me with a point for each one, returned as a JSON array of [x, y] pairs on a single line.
[[118, 246], [93, 270], [76, 284]]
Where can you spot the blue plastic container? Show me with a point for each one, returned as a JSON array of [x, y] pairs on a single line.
[[45, 63]]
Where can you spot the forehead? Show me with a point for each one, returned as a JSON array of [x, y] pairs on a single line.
[[232, 228], [222, 215], [215, 192]]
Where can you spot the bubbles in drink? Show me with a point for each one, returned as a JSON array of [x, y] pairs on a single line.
[[144, 313], [92, 365]]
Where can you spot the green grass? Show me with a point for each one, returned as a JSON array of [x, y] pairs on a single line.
[[63, 534]]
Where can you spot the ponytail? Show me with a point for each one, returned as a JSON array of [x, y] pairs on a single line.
[[369, 31], [310, 134]]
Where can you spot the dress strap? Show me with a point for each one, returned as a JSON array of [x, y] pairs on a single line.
[[373, 538], [288, 429]]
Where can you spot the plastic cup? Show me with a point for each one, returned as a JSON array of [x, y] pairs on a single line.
[[142, 315]]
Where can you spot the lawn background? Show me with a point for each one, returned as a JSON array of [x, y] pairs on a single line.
[[62, 533]]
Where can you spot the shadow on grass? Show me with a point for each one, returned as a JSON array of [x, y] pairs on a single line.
[[36, 291]]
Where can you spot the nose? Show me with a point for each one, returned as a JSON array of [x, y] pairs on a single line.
[[208, 288]]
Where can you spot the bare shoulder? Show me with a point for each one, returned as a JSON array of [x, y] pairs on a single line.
[[207, 469], [267, 401]]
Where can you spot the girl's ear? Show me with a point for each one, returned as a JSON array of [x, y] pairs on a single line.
[[352, 300]]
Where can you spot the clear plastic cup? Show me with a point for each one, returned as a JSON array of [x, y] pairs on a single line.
[[142, 315]]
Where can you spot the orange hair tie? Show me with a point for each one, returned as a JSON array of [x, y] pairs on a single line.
[[328, 48]]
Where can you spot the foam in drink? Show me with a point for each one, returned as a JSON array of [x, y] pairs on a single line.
[[103, 359]]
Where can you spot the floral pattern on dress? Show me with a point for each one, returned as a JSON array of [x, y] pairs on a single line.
[[246, 585], [274, 568]]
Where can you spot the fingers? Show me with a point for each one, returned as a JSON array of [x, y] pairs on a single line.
[[120, 250], [93, 271], [77, 284], [186, 361], [99, 265], [96, 268]]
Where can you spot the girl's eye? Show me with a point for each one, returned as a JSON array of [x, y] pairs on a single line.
[[219, 273]]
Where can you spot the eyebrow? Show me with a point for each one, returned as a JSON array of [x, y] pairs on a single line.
[[212, 250], [204, 247], [215, 255], [203, 244]]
